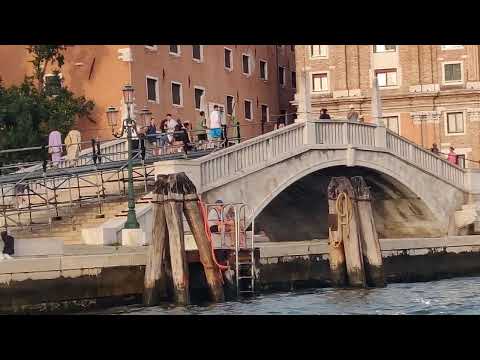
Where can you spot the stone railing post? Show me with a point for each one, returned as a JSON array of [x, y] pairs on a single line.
[[309, 133], [380, 137], [345, 134]]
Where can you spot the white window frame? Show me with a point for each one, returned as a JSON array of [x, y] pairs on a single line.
[[268, 112], [151, 48], [284, 77], [310, 53], [374, 49], [462, 75], [312, 90], [397, 115], [251, 109], [181, 93], [201, 55], [233, 107], [204, 97], [386, 71], [266, 69], [157, 89], [60, 76], [291, 74], [179, 48], [445, 123], [451, 47], [231, 59], [249, 65]]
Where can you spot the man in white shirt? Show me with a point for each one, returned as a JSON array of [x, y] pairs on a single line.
[[215, 124], [170, 124]]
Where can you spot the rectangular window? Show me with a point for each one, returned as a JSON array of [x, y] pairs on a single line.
[[177, 98], [384, 48], [229, 105], [452, 47], [152, 89], [320, 82], [248, 110], [453, 72], [263, 70], [281, 75], [265, 113], [386, 77], [292, 47], [319, 51], [455, 123], [197, 52], [174, 49], [246, 64], [294, 80], [199, 98], [228, 58], [391, 123]]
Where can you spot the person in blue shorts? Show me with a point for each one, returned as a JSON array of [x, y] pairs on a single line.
[[215, 124]]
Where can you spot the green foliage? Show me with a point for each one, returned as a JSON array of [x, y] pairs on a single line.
[[28, 113], [44, 55]]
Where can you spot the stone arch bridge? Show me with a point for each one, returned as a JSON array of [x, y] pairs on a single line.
[[283, 177]]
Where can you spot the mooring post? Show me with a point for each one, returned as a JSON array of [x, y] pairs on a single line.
[[338, 270], [155, 277], [372, 255], [173, 206], [193, 214], [350, 232]]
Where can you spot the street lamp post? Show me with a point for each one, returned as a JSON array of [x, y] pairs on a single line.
[[129, 124]]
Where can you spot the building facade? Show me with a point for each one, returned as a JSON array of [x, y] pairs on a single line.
[[429, 93], [252, 82]]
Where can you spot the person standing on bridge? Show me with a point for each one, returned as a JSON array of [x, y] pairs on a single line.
[[435, 149], [324, 115], [352, 114], [215, 124], [452, 157]]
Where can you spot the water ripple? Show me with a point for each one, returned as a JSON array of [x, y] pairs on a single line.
[[450, 296]]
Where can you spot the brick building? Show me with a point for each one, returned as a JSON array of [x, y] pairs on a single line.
[[430, 93], [254, 82]]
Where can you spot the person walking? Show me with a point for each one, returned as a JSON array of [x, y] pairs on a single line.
[[55, 146], [452, 157], [324, 115], [8, 245], [435, 149], [151, 131], [352, 114], [200, 128], [72, 143]]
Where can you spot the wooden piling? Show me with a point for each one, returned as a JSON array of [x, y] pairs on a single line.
[[155, 276], [348, 228], [338, 270], [372, 255], [173, 206], [193, 214]]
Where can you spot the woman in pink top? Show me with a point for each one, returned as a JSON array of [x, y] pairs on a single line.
[[452, 157]]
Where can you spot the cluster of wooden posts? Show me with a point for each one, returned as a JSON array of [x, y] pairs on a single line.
[[166, 273], [355, 255]]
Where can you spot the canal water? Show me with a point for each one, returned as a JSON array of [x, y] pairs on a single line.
[[451, 296]]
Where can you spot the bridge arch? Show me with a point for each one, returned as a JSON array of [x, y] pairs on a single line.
[[432, 194]]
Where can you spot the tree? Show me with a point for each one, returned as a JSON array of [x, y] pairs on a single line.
[[44, 55], [29, 111]]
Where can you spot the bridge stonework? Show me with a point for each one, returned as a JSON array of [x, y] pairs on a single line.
[[257, 171]]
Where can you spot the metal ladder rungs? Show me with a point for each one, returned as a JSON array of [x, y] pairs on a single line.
[[245, 277]]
